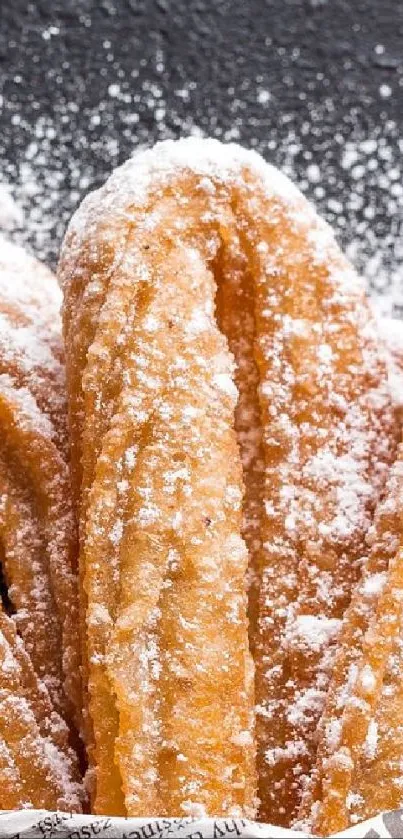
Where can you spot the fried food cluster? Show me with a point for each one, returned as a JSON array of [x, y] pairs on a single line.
[[229, 405], [202, 577], [40, 694]]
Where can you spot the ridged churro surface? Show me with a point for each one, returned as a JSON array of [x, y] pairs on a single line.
[[198, 271]]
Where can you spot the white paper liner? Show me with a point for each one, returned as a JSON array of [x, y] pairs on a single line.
[[24, 824]]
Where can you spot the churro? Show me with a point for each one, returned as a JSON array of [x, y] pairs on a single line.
[[37, 531], [196, 271], [359, 766]]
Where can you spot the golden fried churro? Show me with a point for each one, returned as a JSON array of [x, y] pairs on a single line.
[[37, 531], [198, 267], [37, 767], [359, 770]]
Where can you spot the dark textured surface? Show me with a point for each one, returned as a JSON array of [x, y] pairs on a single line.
[[84, 81]]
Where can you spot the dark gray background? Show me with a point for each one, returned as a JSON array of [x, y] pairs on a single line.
[[315, 85]]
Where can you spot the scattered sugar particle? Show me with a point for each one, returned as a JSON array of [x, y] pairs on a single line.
[[353, 800], [116, 533], [48, 33], [385, 91], [243, 738], [367, 679], [333, 731], [224, 382], [99, 615], [291, 750], [131, 456], [183, 93], [343, 759], [263, 97], [335, 206], [190, 412], [198, 322], [312, 631], [177, 520], [194, 809], [148, 514], [313, 173], [374, 584], [307, 705], [371, 741], [114, 90], [151, 323]]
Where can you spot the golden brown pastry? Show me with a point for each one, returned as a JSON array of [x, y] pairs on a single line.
[[38, 768], [39, 653], [359, 767], [37, 532], [196, 271]]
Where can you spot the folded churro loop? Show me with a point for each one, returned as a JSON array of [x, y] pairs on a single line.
[[358, 771], [36, 522], [194, 256]]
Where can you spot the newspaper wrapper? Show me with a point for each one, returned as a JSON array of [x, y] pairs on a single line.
[[27, 824]]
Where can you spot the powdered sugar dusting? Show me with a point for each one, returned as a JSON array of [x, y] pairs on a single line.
[[223, 163]]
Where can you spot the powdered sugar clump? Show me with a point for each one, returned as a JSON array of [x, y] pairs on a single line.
[[312, 631]]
